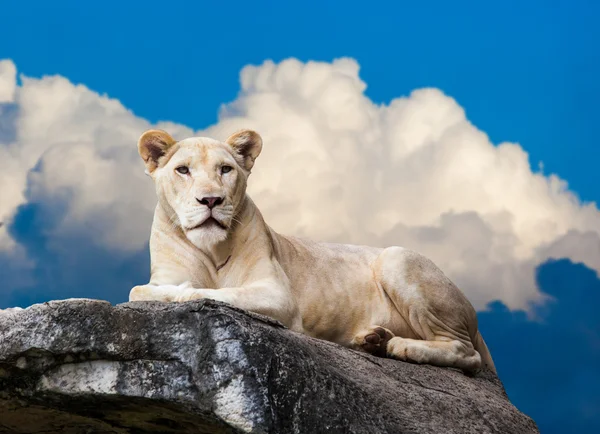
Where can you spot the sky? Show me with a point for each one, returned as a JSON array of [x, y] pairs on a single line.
[[465, 131]]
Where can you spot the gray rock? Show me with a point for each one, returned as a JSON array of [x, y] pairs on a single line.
[[84, 366]]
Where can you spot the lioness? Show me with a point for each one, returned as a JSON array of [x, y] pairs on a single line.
[[209, 240]]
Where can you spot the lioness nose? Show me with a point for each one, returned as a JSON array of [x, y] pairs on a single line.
[[210, 202]]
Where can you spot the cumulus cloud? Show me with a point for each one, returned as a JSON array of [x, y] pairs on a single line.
[[74, 149], [415, 172], [335, 166], [8, 82]]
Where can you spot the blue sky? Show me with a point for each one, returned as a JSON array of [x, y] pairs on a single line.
[[524, 72]]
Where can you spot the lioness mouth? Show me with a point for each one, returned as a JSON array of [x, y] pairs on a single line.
[[208, 222]]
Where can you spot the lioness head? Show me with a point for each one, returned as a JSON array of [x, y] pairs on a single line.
[[200, 182]]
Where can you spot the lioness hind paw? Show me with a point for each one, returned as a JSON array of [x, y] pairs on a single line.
[[375, 341]]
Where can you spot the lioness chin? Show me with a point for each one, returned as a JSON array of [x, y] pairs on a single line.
[[209, 240]]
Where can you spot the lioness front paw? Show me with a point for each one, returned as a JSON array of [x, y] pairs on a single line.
[[166, 293], [374, 341], [139, 293]]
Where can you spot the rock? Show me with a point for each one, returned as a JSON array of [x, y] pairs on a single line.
[[84, 366]]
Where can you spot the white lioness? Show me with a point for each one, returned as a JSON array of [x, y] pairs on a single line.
[[209, 240]]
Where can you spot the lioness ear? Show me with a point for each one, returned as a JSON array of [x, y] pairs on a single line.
[[247, 144], [152, 145]]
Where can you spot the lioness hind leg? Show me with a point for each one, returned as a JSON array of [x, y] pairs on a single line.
[[381, 342], [373, 340], [441, 321], [444, 353]]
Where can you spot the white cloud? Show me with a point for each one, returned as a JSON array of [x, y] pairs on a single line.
[[84, 147], [8, 82], [335, 166]]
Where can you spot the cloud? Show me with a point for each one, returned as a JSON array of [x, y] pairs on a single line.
[[74, 149], [8, 82], [415, 172], [335, 166]]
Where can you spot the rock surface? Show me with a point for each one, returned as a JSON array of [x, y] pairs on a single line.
[[84, 366]]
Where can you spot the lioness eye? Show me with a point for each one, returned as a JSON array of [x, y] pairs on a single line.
[[183, 170], [226, 169]]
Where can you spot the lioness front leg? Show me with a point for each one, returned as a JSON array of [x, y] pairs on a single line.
[[265, 297]]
